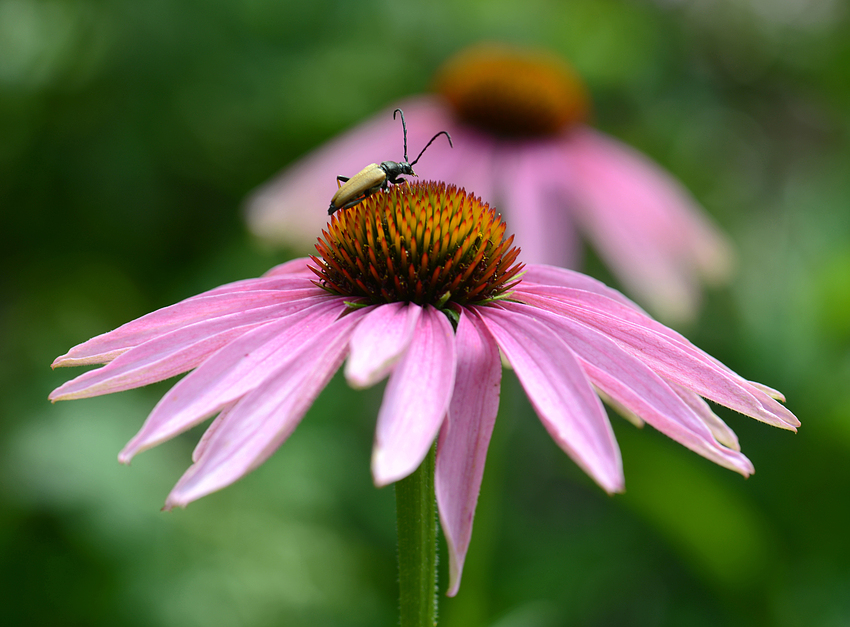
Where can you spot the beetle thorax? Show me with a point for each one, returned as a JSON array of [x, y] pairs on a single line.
[[395, 169]]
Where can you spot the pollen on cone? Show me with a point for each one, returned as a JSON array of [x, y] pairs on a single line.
[[426, 243]]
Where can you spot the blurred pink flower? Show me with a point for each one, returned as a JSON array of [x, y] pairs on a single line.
[[261, 350], [517, 119]]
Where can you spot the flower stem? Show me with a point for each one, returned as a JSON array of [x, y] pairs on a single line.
[[416, 516]]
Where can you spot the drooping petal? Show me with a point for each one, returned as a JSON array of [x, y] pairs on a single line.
[[283, 283], [291, 268], [633, 385], [262, 420], [378, 342], [201, 446], [585, 298], [644, 223], [560, 392], [537, 275], [668, 354], [250, 294], [464, 438], [238, 368], [173, 353], [416, 399], [719, 429], [774, 394]]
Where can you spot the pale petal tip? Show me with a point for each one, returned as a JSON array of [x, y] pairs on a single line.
[[383, 473], [455, 568], [615, 486], [355, 379], [64, 360], [136, 446], [58, 395], [176, 499], [786, 419], [774, 394], [611, 479], [68, 359]]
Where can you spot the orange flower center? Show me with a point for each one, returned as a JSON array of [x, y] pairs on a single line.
[[513, 92], [426, 243]]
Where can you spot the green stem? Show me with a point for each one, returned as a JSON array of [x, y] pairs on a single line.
[[416, 516]]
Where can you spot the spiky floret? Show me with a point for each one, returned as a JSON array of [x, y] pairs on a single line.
[[426, 243], [513, 92]]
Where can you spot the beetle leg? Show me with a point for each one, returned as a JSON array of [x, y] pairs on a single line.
[[332, 210], [356, 201], [341, 179]]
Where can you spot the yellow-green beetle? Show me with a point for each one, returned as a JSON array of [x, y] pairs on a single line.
[[374, 177]]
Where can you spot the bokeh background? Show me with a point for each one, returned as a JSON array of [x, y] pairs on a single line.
[[130, 134]]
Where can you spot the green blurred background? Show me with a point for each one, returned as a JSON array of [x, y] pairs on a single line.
[[130, 133]]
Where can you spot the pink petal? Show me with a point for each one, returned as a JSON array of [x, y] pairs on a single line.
[[293, 267], [633, 385], [171, 354], [560, 392], [378, 342], [464, 438], [261, 421], [282, 283], [201, 446], [719, 429], [668, 354], [238, 368], [775, 394], [415, 400], [536, 275], [533, 189], [645, 224], [108, 346]]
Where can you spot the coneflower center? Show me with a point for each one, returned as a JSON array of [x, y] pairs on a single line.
[[513, 92], [426, 243]]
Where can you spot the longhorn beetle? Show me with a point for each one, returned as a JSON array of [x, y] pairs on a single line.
[[374, 177]]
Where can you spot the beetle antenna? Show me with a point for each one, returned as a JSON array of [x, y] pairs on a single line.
[[449, 137], [404, 126]]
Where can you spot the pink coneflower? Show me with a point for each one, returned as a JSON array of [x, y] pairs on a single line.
[[518, 119], [421, 285]]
